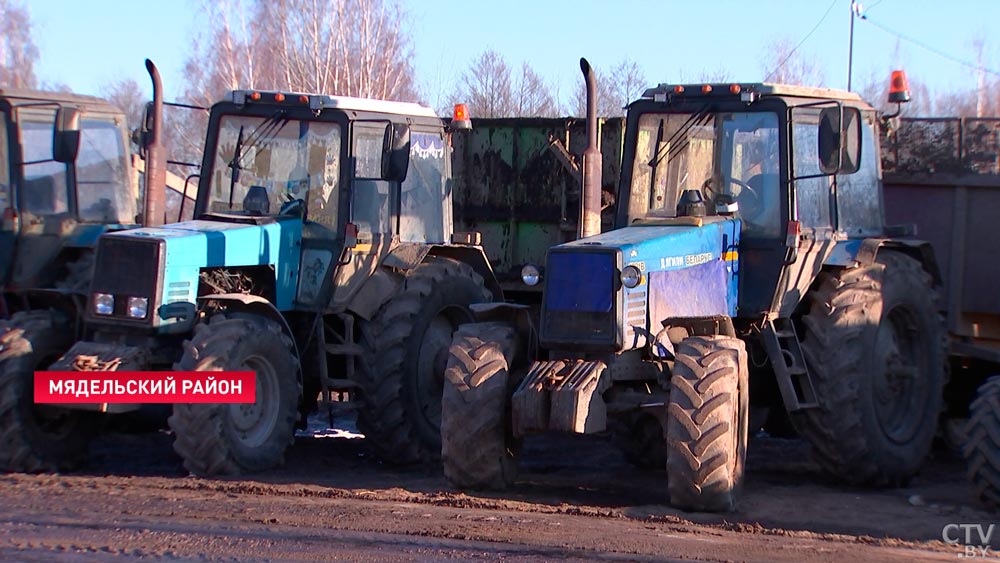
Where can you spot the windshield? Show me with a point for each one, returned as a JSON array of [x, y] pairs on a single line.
[[103, 186], [733, 154], [261, 164]]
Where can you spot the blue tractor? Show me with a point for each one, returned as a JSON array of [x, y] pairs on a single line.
[[321, 257], [749, 281]]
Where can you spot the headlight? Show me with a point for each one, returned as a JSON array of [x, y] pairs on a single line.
[[530, 274], [631, 276], [137, 307], [104, 304]]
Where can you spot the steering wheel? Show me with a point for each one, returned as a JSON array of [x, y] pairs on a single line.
[[749, 199]]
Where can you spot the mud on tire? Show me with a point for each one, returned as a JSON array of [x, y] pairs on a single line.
[[477, 448], [874, 343], [401, 375], [36, 438], [707, 423], [982, 444], [230, 439]]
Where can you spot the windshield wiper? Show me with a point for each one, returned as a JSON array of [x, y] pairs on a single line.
[[267, 130], [696, 119]]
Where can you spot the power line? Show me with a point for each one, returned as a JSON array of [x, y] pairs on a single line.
[[811, 31], [934, 50]]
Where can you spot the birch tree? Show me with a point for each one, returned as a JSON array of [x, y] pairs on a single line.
[[18, 52]]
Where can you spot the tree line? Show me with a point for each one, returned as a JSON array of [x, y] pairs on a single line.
[[364, 48]]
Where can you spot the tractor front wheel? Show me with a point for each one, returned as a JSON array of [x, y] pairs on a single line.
[[477, 448], [982, 443], [707, 423], [230, 439]]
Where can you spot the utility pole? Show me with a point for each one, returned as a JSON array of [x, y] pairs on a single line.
[[855, 9]]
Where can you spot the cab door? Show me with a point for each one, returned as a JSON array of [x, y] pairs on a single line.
[[8, 225]]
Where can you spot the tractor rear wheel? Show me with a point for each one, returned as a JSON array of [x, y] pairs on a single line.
[[230, 439], [477, 448], [982, 443], [402, 375], [36, 438], [874, 344], [707, 423]]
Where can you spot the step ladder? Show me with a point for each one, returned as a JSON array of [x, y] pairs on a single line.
[[788, 363]]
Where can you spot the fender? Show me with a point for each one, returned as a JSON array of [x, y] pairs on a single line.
[[383, 283], [864, 252], [256, 305], [523, 318]]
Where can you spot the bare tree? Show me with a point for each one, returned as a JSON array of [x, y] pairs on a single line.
[[339, 47], [488, 88], [127, 95], [532, 97], [18, 52], [784, 64], [628, 82]]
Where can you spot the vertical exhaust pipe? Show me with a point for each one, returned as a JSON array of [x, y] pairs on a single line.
[[590, 200], [156, 160]]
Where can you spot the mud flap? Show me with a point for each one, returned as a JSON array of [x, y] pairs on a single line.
[[561, 395], [101, 356]]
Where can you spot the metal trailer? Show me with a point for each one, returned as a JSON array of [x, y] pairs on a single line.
[[943, 175]]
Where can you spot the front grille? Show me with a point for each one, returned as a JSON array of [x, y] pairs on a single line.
[[581, 295], [127, 267]]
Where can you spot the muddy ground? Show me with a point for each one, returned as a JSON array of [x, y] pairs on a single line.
[[577, 500]]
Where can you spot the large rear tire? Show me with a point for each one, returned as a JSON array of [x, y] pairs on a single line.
[[402, 375], [477, 447], [874, 344], [37, 438], [707, 423], [982, 444], [230, 439]]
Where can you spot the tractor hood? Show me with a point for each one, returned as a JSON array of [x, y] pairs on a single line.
[[685, 271], [163, 264]]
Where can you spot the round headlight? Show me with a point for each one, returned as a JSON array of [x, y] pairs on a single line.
[[530, 274], [631, 276], [104, 303], [137, 307]]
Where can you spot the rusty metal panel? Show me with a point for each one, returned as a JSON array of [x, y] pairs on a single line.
[[511, 185]]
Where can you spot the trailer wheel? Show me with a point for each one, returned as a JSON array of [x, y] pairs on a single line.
[[477, 448], [36, 438], [874, 344], [982, 444], [707, 423], [230, 439], [402, 375]]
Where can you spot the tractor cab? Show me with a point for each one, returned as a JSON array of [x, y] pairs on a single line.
[[65, 176], [791, 163]]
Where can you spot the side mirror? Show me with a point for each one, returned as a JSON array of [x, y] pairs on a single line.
[[839, 140], [395, 152], [66, 135]]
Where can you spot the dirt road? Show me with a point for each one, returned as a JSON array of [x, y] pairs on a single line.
[[577, 500]]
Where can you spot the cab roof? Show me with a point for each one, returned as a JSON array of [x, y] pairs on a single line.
[[749, 91], [25, 96], [320, 101]]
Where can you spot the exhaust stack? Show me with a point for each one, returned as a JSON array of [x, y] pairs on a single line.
[[590, 198], [156, 161]]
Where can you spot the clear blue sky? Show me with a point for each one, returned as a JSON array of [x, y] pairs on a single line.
[[86, 44]]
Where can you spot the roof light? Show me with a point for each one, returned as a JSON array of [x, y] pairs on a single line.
[[707, 88], [279, 97], [303, 99], [255, 96], [734, 88], [678, 89], [460, 117], [899, 88]]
